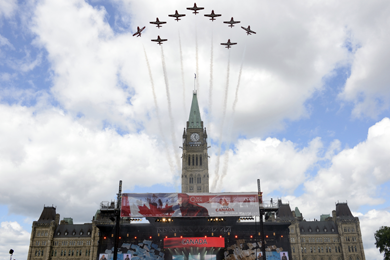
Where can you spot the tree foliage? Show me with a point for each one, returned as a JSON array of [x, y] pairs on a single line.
[[382, 238]]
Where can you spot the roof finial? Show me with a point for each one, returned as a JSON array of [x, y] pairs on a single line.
[[194, 83]]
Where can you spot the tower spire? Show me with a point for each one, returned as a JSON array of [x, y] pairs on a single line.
[[194, 120]]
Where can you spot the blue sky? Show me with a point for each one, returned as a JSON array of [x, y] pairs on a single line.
[[81, 110]]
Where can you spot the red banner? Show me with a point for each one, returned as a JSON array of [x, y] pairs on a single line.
[[189, 205], [175, 242]]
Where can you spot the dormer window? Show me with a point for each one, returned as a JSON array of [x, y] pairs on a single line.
[[318, 230], [325, 230], [89, 233], [81, 233], [74, 233], [302, 230], [66, 233], [58, 233], [332, 229]]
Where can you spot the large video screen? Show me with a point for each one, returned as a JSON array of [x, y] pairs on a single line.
[[189, 205]]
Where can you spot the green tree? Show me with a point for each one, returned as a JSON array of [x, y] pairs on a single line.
[[382, 238]]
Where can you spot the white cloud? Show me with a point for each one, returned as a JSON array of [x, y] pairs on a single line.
[[271, 161], [13, 236], [7, 8], [56, 160], [369, 224], [368, 86]]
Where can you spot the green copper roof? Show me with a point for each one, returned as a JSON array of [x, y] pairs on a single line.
[[297, 212], [194, 119], [324, 216]]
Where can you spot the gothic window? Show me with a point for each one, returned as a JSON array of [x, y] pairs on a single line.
[[199, 188], [77, 252], [326, 249], [69, 252], [319, 251], [355, 249], [46, 233], [293, 249], [55, 253], [304, 249], [191, 188], [200, 160], [357, 258], [193, 160], [86, 252], [322, 249], [339, 250], [191, 179], [189, 160], [198, 179], [330, 250], [311, 250], [349, 249]]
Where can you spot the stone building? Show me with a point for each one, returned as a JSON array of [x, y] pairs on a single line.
[[336, 237], [195, 169], [52, 239]]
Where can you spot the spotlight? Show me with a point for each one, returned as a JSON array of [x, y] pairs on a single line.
[[150, 237], [104, 237], [135, 237], [235, 236]]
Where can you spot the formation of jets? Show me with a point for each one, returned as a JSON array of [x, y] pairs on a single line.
[[195, 10]]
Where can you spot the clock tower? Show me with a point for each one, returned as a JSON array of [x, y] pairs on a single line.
[[195, 169]]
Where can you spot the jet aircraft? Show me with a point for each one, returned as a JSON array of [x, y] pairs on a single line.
[[138, 33], [231, 22], [248, 30], [159, 40], [228, 44], [177, 15], [195, 8], [158, 23], [212, 15]]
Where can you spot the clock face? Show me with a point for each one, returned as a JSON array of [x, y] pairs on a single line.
[[194, 137]]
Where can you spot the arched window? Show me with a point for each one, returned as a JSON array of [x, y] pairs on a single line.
[[189, 160], [293, 249], [198, 180], [355, 249], [200, 160], [196, 160], [191, 179], [349, 249], [193, 160]]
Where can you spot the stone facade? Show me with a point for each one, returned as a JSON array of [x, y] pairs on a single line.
[[336, 237], [195, 170], [51, 239]]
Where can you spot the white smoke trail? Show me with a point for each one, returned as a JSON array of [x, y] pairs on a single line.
[[182, 74], [211, 80], [174, 143], [158, 116], [226, 157], [215, 182], [197, 61]]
